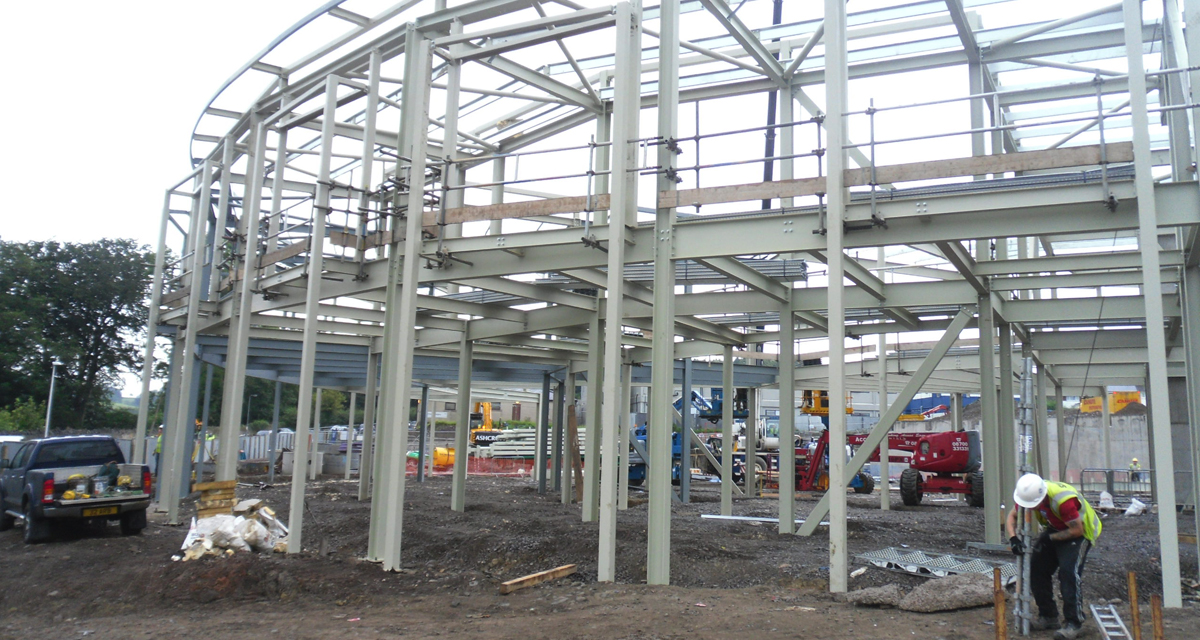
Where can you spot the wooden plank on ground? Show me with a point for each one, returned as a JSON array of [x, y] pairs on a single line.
[[536, 578]]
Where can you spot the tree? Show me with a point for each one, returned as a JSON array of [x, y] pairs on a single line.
[[82, 303]]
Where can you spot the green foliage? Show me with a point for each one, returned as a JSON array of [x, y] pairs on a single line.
[[82, 303], [520, 424], [259, 425], [23, 415]]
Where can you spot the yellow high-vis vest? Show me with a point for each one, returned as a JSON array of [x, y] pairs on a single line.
[[1060, 492]]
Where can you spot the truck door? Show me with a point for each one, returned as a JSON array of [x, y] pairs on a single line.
[[12, 477]]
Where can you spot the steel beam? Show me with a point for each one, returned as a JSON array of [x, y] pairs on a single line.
[[744, 36]]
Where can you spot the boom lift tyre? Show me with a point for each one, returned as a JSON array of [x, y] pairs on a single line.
[[975, 498], [910, 487]]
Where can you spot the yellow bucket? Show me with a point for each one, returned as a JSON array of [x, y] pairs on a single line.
[[443, 456]]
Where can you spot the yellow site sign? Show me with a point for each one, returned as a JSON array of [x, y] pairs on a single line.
[[1117, 400]]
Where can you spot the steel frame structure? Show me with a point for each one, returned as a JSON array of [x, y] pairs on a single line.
[[345, 221]]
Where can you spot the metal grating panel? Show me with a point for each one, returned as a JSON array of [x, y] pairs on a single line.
[[936, 565]]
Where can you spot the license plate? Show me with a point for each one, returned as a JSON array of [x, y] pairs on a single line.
[[99, 511]]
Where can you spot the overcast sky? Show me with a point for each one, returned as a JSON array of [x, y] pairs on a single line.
[[100, 100]]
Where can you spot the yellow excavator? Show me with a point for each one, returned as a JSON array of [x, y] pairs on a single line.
[[483, 432]]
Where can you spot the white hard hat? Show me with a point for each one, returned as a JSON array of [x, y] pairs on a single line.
[[1030, 490]]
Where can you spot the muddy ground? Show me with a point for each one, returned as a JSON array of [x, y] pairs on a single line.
[[749, 579]]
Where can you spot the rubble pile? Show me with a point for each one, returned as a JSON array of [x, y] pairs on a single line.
[[253, 526]]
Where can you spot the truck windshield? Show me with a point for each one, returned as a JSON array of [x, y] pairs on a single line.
[[79, 452]]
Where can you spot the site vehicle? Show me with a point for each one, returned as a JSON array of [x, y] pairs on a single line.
[[483, 432], [72, 478], [946, 462]]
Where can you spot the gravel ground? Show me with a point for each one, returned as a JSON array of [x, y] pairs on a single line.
[[747, 575]]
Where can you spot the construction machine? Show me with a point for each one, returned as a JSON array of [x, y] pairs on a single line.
[[482, 432], [947, 462]]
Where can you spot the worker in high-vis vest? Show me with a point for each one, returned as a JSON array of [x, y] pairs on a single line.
[[1069, 530]]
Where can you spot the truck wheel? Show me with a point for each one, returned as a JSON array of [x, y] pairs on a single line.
[[975, 482], [867, 483], [36, 529], [910, 487], [132, 523], [6, 521]]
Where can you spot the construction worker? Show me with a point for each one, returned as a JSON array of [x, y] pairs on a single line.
[[1069, 530], [1135, 469], [158, 451]]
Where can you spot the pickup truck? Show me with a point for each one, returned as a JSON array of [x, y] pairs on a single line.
[[36, 486]]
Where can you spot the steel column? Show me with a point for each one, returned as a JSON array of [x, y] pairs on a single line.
[[462, 430], [156, 287], [571, 415], [1106, 427], [366, 460], [350, 435], [1164, 470], [993, 496], [837, 104], [658, 549], [591, 445], [422, 429], [787, 415], [623, 216], [314, 434], [750, 476], [185, 414], [1007, 415], [1191, 333], [273, 440], [541, 442], [560, 426], [415, 128], [885, 452], [234, 390], [1042, 438], [727, 395], [686, 429], [1060, 428], [312, 304], [623, 438]]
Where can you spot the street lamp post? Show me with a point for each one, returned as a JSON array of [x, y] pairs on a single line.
[[249, 401], [50, 404]]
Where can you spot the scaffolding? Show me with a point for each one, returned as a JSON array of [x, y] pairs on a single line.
[[454, 192]]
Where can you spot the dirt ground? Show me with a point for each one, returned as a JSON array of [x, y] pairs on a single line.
[[729, 578]]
